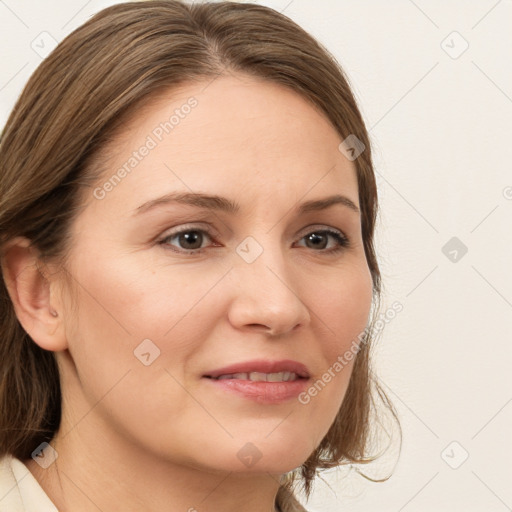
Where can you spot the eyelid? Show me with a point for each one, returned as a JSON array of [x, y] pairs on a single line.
[[321, 227], [209, 230]]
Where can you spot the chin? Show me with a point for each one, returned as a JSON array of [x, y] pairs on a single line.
[[262, 455]]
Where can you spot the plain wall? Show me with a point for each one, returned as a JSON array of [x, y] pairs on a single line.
[[440, 118]]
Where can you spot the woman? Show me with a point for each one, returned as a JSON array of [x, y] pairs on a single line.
[[187, 217]]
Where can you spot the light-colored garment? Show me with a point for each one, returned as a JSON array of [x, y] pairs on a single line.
[[19, 490]]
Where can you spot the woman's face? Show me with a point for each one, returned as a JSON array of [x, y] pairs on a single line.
[[171, 293]]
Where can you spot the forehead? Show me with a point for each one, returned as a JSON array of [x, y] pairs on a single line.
[[227, 134]]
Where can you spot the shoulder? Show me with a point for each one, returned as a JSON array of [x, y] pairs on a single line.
[[19, 490]]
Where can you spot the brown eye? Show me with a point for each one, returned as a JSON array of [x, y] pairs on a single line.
[[190, 240], [319, 240], [186, 240]]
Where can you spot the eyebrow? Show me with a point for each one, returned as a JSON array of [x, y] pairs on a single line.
[[219, 203]]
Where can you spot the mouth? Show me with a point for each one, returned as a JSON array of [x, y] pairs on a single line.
[[263, 381], [260, 377], [262, 370]]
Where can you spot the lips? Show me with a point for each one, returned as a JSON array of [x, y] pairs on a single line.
[[260, 367], [262, 381]]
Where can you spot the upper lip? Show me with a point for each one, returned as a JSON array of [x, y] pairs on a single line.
[[262, 366]]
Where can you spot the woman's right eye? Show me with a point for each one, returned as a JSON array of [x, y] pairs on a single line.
[[190, 240]]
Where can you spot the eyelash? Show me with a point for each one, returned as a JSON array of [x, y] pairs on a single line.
[[343, 241]]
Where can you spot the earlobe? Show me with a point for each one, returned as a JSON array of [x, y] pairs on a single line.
[[31, 293]]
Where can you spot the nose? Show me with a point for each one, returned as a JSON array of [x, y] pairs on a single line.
[[266, 297]]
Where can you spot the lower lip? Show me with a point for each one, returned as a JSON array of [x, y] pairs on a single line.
[[261, 391]]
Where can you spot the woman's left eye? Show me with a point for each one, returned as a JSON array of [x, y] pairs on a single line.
[[319, 239], [191, 241]]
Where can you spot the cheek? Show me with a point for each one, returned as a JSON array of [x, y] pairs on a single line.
[[342, 309], [343, 306], [118, 309], [124, 304], [136, 297]]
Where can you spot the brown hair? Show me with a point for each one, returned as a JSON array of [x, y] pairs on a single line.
[[101, 72]]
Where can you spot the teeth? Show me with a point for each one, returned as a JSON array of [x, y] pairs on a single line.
[[257, 376], [262, 377]]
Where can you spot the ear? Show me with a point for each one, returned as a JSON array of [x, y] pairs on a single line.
[[34, 293]]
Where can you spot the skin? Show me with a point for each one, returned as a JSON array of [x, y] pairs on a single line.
[[160, 435]]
